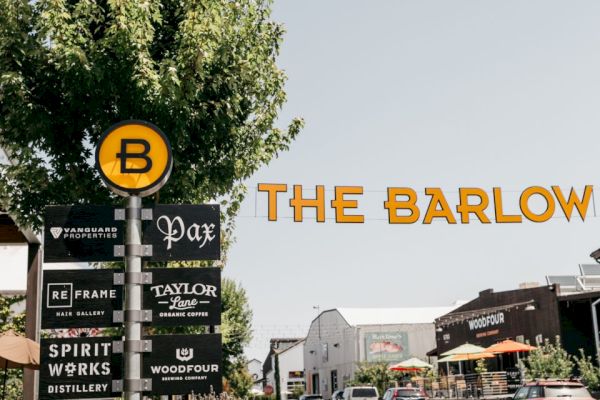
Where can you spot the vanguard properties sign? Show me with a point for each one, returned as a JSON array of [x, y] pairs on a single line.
[[404, 205]]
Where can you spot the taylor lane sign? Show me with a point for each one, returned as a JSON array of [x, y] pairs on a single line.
[[80, 298], [184, 232], [182, 364], [78, 368], [184, 296], [81, 233]]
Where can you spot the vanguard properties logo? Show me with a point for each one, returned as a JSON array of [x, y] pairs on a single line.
[[86, 232], [56, 231]]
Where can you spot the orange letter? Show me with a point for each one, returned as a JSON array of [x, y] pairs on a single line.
[[299, 203], [340, 204], [392, 205], [272, 189], [501, 218], [464, 208], [526, 195], [437, 197], [567, 206]]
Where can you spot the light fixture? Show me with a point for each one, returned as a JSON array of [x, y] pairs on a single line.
[[312, 352], [596, 255], [439, 329], [336, 345], [530, 307]]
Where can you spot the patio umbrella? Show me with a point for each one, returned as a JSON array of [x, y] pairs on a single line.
[[509, 346], [17, 352], [412, 364], [468, 357], [463, 350]]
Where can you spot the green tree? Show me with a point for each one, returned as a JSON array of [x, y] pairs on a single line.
[[375, 374], [236, 330], [15, 321], [481, 366], [203, 71], [240, 381], [277, 378], [588, 371], [549, 360]]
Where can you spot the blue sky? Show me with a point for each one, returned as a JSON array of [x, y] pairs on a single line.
[[445, 94]]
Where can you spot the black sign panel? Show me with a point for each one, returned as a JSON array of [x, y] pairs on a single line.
[[80, 298], [182, 364], [184, 232], [81, 233], [78, 368], [184, 296]]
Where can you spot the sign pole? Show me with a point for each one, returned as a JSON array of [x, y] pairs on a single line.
[[133, 294]]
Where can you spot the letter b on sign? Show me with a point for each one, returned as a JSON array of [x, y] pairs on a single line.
[[134, 158]]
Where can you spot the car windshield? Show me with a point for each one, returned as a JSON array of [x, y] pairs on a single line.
[[407, 393], [566, 391], [364, 392], [313, 396]]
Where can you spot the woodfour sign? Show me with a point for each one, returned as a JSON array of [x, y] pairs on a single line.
[[404, 205]]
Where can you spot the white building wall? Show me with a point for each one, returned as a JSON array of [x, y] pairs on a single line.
[[334, 349], [291, 359]]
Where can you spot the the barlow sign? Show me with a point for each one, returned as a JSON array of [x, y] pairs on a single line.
[[81, 233], [182, 364], [184, 296], [78, 368], [80, 298], [404, 205], [184, 232]]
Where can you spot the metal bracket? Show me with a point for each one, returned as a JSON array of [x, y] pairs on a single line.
[[137, 385], [119, 214], [141, 278], [132, 346], [146, 214], [132, 316], [117, 348], [138, 250], [117, 385]]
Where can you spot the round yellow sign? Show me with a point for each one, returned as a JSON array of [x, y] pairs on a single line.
[[134, 158]]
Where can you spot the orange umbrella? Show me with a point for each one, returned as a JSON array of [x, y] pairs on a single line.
[[17, 352], [509, 346]]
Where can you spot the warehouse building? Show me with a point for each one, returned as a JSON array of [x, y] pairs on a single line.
[[340, 338], [564, 307]]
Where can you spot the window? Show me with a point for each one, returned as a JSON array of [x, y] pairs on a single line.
[[521, 393], [364, 392], [566, 391]]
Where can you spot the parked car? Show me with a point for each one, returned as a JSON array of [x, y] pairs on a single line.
[[311, 397], [552, 389], [361, 393], [338, 395], [401, 393]]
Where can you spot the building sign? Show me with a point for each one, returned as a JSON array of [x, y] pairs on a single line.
[[134, 158], [182, 364], [486, 321], [296, 375], [81, 233], [386, 346], [184, 232], [78, 368], [80, 298], [405, 205], [184, 296]]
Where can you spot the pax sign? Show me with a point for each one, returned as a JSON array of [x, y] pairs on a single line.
[[134, 158]]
